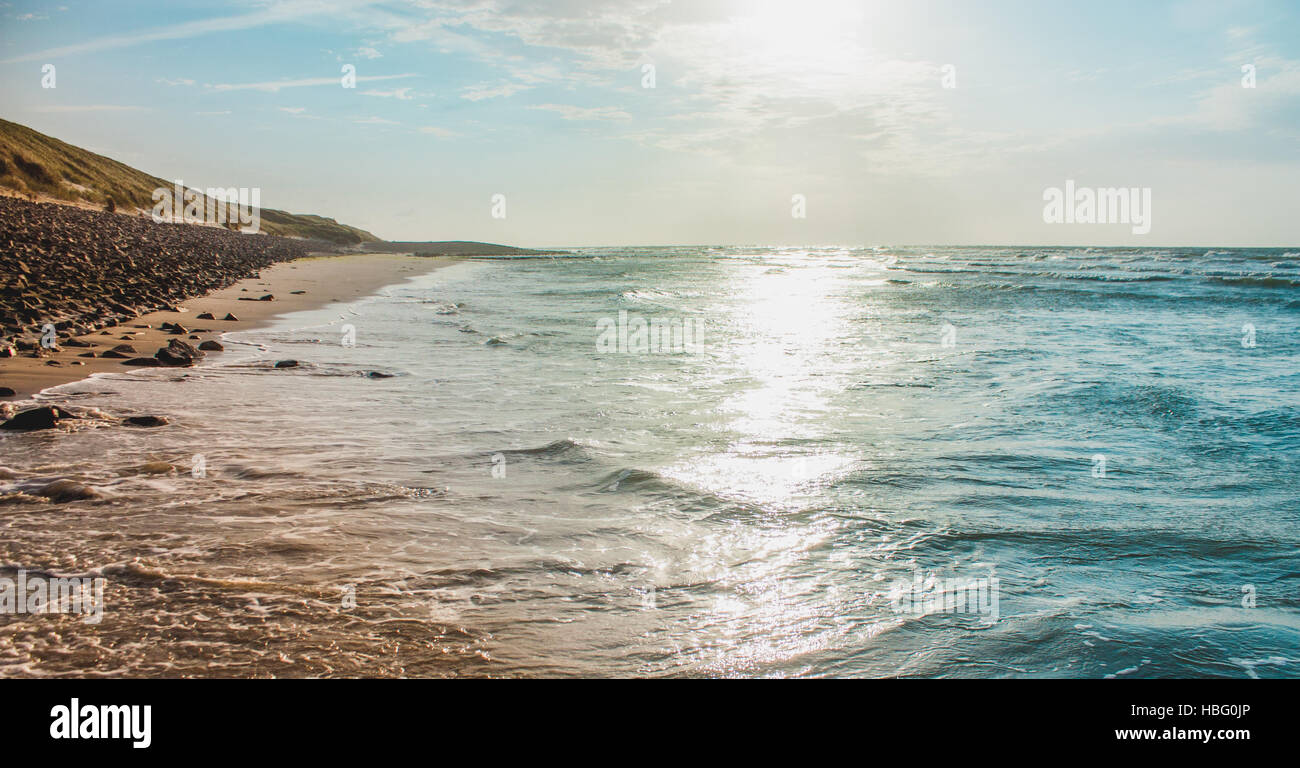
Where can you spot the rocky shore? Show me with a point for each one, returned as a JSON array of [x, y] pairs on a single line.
[[82, 270]]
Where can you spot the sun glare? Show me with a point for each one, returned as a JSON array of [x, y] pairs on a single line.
[[808, 34]]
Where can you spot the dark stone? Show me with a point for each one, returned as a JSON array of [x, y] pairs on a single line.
[[378, 375], [145, 421], [231, 318], [62, 491], [178, 353], [287, 364], [205, 316], [124, 348], [147, 362], [211, 346], [7, 392], [36, 418], [114, 354], [77, 343]]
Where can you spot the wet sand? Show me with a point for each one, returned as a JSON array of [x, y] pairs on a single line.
[[322, 280]]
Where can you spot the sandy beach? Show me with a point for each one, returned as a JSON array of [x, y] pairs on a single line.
[[302, 284]]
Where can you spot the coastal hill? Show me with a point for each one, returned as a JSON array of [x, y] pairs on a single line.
[[452, 248], [35, 165]]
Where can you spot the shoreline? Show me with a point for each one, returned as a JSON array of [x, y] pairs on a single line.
[[306, 283]]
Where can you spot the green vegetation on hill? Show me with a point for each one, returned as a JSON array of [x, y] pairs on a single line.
[[33, 163]]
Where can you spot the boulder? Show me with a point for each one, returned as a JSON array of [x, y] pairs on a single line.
[[211, 346], [36, 418], [145, 421], [178, 353], [62, 491]]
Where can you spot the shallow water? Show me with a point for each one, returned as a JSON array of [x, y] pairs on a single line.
[[513, 501]]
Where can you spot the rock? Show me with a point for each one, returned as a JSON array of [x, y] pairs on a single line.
[[8, 351], [204, 316], [146, 362], [124, 348], [145, 421], [7, 392], [114, 354], [230, 318], [211, 346], [86, 354], [178, 353], [81, 270], [76, 343], [53, 362], [287, 364], [62, 491], [155, 468], [37, 418], [378, 375], [297, 293]]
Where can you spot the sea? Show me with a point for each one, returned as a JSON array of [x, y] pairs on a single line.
[[699, 462]]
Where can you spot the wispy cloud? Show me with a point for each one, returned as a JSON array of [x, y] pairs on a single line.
[[434, 130], [403, 94], [376, 121], [569, 112], [481, 92], [89, 108], [276, 13], [274, 86]]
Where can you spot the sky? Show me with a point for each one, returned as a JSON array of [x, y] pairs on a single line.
[[881, 122]]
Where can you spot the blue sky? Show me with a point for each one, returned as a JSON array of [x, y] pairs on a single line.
[[755, 101]]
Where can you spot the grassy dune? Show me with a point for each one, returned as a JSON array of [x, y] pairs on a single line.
[[32, 163]]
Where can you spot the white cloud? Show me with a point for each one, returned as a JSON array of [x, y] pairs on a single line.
[[274, 86], [482, 92], [376, 121], [402, 94], [88, 108], [569, 112], [178, 81], [277, 12]]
